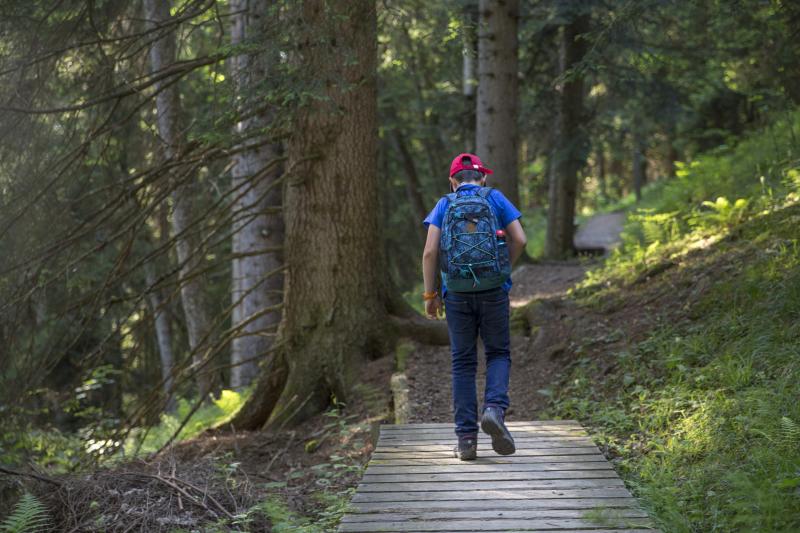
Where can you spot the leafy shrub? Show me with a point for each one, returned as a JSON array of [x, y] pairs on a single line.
[[720, 213]]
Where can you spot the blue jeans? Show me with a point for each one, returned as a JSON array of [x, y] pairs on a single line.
[[468, 315]]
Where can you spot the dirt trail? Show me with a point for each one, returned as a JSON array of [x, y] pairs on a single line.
[[535, 363]]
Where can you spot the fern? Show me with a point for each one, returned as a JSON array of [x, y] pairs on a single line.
[[29, 516], [789, 435]]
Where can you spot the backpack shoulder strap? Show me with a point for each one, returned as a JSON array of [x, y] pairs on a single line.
[[451, 197], [485, 191]]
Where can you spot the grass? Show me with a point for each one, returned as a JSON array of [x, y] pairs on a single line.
[[702, 415]]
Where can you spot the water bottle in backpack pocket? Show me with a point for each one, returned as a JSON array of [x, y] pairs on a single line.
[[473, 255]]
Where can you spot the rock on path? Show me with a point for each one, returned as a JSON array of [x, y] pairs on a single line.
[[601, 232]]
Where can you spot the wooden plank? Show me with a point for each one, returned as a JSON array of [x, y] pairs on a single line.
[[451, 436], [496, 504], [394, 460], [565, 428], [534, 423], [557, 475], [505, 484], [533, 432], [474, 495], [482, 446], [482, 467], [450, 432], [403, 430], [531, 524], [614, 513], [604, 530], [450, 428], [445, 452], [451, 439], [488, 476]]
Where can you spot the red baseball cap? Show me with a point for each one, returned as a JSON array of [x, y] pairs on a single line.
[[458, 166]]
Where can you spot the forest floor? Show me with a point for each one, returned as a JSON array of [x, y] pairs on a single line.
[[293, 479]]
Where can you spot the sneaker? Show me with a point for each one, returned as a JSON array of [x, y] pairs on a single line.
[[467, 448], [493, 425]]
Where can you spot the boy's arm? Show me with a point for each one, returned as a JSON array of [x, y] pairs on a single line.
[[518, 240], [430, 258]]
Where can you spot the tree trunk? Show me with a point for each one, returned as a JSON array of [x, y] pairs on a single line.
[[601, 172], [256, 280], [469, 81], [672, 157], [413, 186], [569, 154], [163, 337], [335, 307], [496, 134], [639, 165], [162, 55], [428, 118]]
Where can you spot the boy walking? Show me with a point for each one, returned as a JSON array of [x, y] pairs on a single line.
[[474, 236]]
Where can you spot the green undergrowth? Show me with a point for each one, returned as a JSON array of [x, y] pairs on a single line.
[[325, 506], [60, 451], [212, 414], [534, 222], [703, 414], [707, 200], [333, 506]]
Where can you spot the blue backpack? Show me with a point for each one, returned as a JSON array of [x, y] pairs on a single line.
[[471, 256]]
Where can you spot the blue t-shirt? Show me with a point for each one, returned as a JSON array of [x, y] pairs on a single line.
[[504, 210]]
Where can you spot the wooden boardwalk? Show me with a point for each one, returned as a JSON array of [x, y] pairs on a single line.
[[556, 481]]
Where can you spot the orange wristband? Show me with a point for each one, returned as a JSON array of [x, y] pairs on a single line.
[[429, 295]]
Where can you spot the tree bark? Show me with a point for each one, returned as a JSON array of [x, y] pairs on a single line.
[[469, 80], [569, 154], [616, 165], [601, 171], [163, 337], [639, 162], [335, 312], [498, 92], [413, 186], [673, 156], [428, 119], [254, 284], [171, 137]]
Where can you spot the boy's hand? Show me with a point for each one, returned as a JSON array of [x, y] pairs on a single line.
[[433, 308]]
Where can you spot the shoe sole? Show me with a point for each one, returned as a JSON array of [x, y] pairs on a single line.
[[501, 443], [467, 457]]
